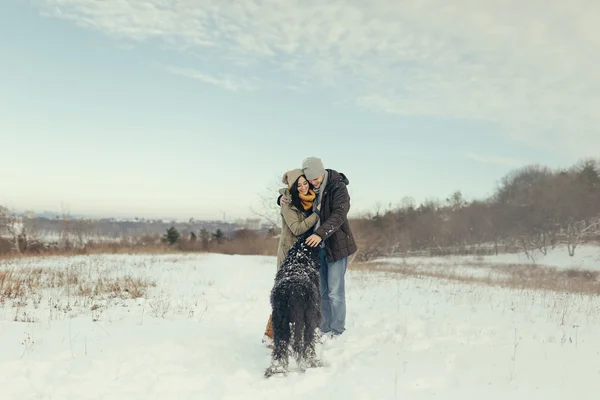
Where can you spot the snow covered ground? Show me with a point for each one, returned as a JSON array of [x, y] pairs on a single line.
[[196, 335], [586, 257]]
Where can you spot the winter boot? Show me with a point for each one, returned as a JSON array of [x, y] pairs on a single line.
[[268, 336]]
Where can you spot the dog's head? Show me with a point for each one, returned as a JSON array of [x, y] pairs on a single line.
[[303, 253]]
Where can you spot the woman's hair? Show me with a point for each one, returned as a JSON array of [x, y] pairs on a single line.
[[296, 201]]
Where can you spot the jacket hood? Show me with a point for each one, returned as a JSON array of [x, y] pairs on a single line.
[[335, 176], [285, 192]]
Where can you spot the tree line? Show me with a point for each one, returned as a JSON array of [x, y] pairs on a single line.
[[533, 208]]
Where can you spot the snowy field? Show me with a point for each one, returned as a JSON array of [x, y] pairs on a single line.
[[513, 269], [190, 327], [585, 257]]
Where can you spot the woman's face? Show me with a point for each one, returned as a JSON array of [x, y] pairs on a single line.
[[302, 185]]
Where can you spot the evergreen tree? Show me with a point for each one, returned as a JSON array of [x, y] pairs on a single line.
[[218, 236], [172, 236], [589, 174]]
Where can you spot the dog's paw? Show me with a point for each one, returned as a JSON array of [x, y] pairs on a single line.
[[314, 363], [308, 363], [275, 371]]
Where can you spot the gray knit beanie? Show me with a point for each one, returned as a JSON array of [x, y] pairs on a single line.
[[313, 168]]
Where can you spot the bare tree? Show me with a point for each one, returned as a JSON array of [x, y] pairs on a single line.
[[65, 233], [267, 207], [11, 224], [82, 230], [576, 230]]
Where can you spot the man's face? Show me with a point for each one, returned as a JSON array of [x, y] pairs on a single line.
[[317, 182]]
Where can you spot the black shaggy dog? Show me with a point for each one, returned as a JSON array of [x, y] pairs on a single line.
[[296, 309]]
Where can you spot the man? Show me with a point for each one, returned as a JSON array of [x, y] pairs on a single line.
[[333, 234]]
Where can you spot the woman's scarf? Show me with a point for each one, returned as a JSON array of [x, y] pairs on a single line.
[[307, 199]]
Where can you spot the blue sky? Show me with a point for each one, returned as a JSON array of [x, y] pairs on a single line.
[[196, 108]]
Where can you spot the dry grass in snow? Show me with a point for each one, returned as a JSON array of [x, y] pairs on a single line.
[[510, 275], [83, 282]]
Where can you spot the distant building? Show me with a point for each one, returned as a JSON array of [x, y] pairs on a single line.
[[253, 224]]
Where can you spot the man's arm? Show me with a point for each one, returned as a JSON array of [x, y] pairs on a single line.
[[282, 201], [341, 205]]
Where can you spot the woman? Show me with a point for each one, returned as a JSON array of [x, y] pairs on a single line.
[[298, 220]]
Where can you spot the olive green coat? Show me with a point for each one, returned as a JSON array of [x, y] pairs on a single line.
[[293, 225]]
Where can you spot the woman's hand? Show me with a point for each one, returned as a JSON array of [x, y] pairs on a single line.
[[319, 207]]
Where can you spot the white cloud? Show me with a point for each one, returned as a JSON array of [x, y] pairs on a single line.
[[528, 66], [486, 159], [223, 81]]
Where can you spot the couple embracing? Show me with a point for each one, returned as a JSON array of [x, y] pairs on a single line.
[[314, 206]]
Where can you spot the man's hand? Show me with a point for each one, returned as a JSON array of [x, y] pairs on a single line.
[[313, 240]]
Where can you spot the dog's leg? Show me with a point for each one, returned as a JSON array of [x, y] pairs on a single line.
[[312, 319], [299, 346], [297, 316], [311, 360], [279, 360], [281, 338]]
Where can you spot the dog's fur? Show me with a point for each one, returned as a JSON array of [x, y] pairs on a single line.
[[296, 309]]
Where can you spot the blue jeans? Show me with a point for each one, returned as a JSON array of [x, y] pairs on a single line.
[[333, 294]]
